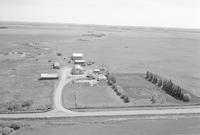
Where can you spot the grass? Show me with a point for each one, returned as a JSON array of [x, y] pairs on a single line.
[[169, 52], [83, 96], [142, 92], [19, 81]]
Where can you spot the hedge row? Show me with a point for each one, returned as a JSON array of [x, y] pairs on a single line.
[[118, 90], [168, 86]]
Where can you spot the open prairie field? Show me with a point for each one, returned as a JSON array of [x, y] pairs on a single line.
[[20, 70], [171, 53]]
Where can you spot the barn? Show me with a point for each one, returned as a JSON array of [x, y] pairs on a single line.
[[77, 56]]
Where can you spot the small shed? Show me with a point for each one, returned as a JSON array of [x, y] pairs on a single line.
[[96, 71], [80, 62], [48, 76], [101, 77], [56, 65], [77, 70], [77, 56]]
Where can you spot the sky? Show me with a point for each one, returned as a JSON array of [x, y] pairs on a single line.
[[156, 13]]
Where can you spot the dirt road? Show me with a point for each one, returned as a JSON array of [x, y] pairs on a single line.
[[60, 111]]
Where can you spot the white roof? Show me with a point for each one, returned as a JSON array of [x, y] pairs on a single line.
[[96, 70], [77, 55], [79, 61], [51, 75]]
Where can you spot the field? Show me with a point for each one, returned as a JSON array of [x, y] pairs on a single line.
[[26, 48], [141, 91], [21, 65], [90, 96], [112, 126]]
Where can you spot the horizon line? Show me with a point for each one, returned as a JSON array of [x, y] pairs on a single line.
[[105, 25]]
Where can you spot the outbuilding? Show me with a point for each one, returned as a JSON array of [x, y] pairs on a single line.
[[96, 71], [77, 56], [56, 65], [48, 76], [80, 62]]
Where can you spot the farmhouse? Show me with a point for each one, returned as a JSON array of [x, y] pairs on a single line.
[[46, 76], [77, 56], [56, 65], [77, 70], [80, 62]]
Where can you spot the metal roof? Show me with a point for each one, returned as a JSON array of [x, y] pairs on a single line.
[[77, 55]]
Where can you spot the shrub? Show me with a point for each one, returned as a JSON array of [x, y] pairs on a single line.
[[153, 100], [186, 97], [15, 126], [126, 99], [122, 96], [27, 103], [59, 54], [14, 106], [48, 106], [118, 93], [7, 131]]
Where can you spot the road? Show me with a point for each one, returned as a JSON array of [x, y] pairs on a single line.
[[59, 111]]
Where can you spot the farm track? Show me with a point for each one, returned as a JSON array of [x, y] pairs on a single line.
[[60, 112]]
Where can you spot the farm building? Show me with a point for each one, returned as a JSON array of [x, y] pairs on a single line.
[[46, 76], [56, 65], [80, 62], [77, 70], [96, 71], [77, 56], [101, 77]]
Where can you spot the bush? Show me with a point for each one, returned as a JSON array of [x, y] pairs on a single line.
[[48, 106], [153, 100], [122, 96], [27, 103], [14, 106], [118, 93], [7, 131], [126, 99], [59, 54], [15, 126], [186, 97]]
